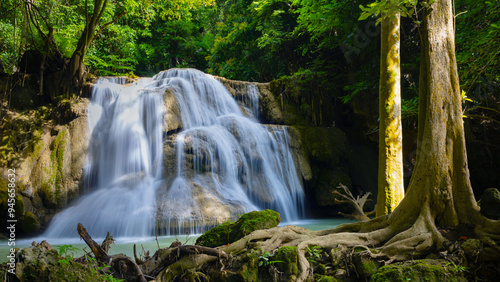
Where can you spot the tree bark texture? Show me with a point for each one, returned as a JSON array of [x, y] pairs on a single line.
[[439, 192], [390, 165], [76, 73]]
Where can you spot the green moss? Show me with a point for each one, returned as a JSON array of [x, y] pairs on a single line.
[[228, 232], [249, 271], [217, 236], [321, 269], [19, 205], [21, 134], [39, 264], [420, 270], [57, 159], [252, 221], [47, 195], [30, 223], [324, 278], [4, 191], [68, 271], [324, 144], [289, 267], [51, 189]]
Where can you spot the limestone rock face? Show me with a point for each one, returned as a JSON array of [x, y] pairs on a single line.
[[204, 198], [51, 172], [172, 121], [269, 109], [178, 212]]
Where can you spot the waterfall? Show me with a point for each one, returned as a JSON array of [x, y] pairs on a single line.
[[216, 163]]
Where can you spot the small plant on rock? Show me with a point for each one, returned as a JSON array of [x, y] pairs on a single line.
[[266, 260], [313, 254]]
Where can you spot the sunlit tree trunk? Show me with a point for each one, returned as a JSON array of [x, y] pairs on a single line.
[[390, 169], [439, 193]]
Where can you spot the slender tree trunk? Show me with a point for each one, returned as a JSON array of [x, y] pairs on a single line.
[[390, 165], [76, 74]]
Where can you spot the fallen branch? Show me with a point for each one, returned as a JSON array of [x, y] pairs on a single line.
[[187, 250], [99, 253], [357, 203]]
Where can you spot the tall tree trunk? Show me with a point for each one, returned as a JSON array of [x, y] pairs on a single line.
[[390, 164], [76, 74], [439, 193], [441, 176]]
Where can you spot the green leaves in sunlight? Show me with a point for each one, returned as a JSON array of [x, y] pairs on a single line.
[[389, 8]]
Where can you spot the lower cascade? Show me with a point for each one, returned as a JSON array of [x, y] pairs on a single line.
[[177, 154]]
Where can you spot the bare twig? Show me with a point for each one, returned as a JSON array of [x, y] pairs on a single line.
[[357, 203]]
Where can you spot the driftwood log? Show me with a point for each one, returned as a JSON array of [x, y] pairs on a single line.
[[98, 251], [121, 266]]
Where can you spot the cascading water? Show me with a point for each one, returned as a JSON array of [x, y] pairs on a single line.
[[219, 162], [123, 164]]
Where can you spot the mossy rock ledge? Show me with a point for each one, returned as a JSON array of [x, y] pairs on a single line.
[[420, 270], [230, 232], [41, 262]]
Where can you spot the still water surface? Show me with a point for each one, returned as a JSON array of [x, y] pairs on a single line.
[[125, 244]]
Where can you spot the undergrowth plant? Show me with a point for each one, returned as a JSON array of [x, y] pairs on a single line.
[[267, 259]]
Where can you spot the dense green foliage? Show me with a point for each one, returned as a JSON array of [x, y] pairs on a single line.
[[478, 47], [320, 46]]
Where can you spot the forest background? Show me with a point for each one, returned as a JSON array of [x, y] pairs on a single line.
[[317, 53]]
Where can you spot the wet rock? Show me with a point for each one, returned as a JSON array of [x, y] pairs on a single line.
[[42, 263], [490, 203], [172, 121], [268, 108], [51, 170]]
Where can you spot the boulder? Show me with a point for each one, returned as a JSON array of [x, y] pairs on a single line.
[[229, 232], [172, 121], [41, 262], [490, 203]]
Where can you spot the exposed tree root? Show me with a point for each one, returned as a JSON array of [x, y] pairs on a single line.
[[184, 257], [270, 239]]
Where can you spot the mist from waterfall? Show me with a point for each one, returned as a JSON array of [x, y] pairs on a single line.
[[225, 162]]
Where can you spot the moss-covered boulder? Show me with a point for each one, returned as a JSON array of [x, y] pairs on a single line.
[[228, 232], [287, 265], [365, 265], [43, 263], [420, 270]]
